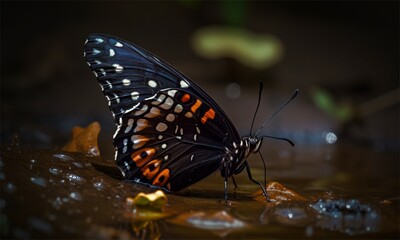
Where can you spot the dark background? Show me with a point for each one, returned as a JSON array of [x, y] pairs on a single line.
[[349, 49]]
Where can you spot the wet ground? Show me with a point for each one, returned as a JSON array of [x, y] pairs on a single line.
[[57, 194]]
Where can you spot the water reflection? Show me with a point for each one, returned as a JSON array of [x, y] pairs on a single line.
[[347, 216]]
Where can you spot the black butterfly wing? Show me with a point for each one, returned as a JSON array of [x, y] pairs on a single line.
[[131, 79], [168, 137]]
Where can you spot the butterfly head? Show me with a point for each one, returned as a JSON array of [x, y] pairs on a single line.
[[252, 144]]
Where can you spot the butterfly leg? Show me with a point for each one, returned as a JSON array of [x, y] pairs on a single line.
[[226, 189], [234, 182], [256, 182]]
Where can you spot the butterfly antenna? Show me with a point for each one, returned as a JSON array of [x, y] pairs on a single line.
[[279, 138], [277, 111], [258, 105]]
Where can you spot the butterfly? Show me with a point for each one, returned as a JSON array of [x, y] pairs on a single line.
[[170, 132]]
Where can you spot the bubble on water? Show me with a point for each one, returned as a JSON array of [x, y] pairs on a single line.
[[75, 196], [79, 165], [63, 157], [40, 225], [10, 188], [54, 170], [291, 214], [233, 90], [57, 203], [348, 216], [330, 138], [39, 181], [98, 185], [75, 178], [33, 161]]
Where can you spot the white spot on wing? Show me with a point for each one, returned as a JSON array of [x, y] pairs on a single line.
[[140, 125], [189, 115], [118, 68], [163, 146], [159, 100], [178, 108], [116, 98], [172, 92], [138, 141], [154, 112], [99, 40], [170, 117], [141, 111], [109, 84], [102, 71], [95, 51], [161, 127], [135, 96], [184, 84], [152, 83], [167, 104], [108, 99], [126, 82], [130, 124], [118, 44], [112, 52]]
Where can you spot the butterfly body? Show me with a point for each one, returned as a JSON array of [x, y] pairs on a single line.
[[170, 133]]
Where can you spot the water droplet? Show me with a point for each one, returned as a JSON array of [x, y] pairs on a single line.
[[54, 170], [75, 178], [39, 181], [63, 157], [79, 165], [330, 138], [98, 185], [75, 196]]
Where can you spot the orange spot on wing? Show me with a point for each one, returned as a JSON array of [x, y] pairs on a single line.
[[142, 156], [196, 105], [210, 114], [151, 169], [185, 97], [162, 178]]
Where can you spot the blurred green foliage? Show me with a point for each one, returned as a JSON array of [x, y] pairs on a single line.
[[326, 102], [254, 50]]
